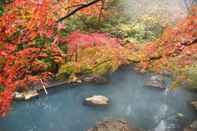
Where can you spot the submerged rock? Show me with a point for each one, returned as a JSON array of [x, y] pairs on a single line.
[[171, 123], [95, 79], [97, 100], [113, 125], [156, 81]]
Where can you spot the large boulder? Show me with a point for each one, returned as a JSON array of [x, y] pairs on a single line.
[[156, 81], [113, 125], [97, 100]]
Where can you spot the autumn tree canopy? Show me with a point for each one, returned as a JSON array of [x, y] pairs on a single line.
[[29, 40]]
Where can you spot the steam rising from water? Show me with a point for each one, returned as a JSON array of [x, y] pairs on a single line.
[[166, 9]]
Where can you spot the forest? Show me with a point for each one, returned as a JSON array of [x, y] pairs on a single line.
[[82, 41]]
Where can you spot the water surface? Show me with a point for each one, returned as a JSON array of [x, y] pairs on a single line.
[[62, 108]]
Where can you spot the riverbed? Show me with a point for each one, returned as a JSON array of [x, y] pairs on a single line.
[[63, 109]]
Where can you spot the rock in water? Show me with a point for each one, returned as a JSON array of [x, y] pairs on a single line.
[[156, 81], [192, 127], [97, 100], [26, 95], [74, 79], [113, 125], [194, 103], [95, 79], [18, 96], [30, 94]]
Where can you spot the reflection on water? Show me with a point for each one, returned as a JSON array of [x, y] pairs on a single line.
[[62, 108]]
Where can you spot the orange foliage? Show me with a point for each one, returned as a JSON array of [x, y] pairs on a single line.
[[23, 22], [177, 45]]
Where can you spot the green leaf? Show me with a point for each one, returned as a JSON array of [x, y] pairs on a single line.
[[68, 68], [1, 10], [40, 41], [1, 88]]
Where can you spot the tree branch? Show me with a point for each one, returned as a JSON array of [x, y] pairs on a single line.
[[77, 9]]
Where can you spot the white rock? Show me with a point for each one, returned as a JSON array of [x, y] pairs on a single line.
[[18, 96], [30, 94], [97, 100], [25, 95]]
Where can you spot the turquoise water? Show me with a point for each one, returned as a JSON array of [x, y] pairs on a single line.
[[62, 108]]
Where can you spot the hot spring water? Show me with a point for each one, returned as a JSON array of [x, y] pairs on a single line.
[[62, 108], [147, 108]]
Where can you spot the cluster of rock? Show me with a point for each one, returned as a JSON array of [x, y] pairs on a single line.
[[35, 91], [113, 125], [97, 79], [156, 81]]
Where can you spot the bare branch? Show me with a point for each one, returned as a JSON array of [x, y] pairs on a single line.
[[82, 6]]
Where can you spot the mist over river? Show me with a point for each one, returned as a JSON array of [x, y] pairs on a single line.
[[63, 110]]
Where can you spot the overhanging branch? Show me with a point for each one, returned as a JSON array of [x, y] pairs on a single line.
[[82, 6]]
